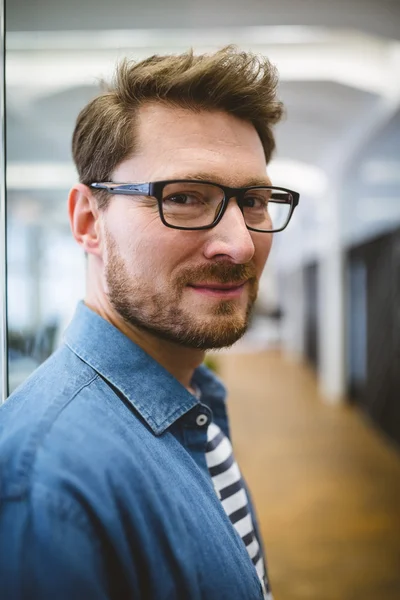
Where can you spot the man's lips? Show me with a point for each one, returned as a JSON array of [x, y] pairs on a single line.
[[218, 286], [226, 290]]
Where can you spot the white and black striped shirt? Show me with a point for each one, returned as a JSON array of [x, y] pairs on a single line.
[[230, 489]]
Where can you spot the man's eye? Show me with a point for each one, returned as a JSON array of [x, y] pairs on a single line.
[[177, 199], [185, 199], [254, 202]]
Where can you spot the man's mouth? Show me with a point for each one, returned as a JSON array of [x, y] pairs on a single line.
[[219, 290]]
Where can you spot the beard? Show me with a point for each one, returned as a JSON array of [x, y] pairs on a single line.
[[160, 312]]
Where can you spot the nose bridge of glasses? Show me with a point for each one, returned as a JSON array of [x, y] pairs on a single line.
[[235, 194], [228, 195]]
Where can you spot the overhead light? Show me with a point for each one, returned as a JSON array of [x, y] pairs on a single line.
[[145, 38], [40, 176], [50, 60]]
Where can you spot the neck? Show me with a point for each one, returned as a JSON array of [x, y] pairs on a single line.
[[177, 360]]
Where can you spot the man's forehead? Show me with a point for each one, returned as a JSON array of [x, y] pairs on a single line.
[[178, 143], [173, 124]]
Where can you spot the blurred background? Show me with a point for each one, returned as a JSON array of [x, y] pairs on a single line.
[[318, 433]]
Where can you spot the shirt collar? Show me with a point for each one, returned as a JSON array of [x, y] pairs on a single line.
[[152, 390]]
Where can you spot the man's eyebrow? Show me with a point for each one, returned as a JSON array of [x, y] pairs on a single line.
[[215, 179]]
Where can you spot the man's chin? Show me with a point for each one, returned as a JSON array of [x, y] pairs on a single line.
[[211, 342], [206, 329], [219, 331]]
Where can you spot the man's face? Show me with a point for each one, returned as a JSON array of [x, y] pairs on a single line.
[[194, 288]]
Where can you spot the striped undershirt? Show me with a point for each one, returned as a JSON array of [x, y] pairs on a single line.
[[229, 487]]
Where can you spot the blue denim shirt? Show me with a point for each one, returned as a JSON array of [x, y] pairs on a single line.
[[104, 487]]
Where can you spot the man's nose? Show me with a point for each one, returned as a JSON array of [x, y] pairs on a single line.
[[231, 238]]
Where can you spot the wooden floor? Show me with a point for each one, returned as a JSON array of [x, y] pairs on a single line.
[[325, 483]]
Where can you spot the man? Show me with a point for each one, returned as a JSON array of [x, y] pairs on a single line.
[[117, 474]]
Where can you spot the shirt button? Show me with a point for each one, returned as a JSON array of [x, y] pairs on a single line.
[[201, 420]]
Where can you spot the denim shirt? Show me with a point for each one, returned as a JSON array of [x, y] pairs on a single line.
[[104, 487]]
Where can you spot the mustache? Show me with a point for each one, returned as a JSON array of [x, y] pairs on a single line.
[[219, 272]]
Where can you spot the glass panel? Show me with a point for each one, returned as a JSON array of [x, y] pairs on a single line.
[[3, 345], [45, 280], [45, 266]]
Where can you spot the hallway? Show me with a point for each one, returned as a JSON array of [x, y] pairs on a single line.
[[325, 483]]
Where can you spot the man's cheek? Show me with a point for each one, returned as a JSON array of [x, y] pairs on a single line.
[[262, 258]]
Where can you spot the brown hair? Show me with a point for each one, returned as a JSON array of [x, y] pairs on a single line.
[[239, 83]]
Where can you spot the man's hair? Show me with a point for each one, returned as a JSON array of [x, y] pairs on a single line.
[[239, 83]]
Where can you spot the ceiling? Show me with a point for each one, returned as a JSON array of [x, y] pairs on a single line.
[[370, 16]]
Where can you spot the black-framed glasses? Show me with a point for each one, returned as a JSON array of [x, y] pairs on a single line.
[[191, 204]]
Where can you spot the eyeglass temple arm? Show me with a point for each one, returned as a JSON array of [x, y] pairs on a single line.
[[282, 197], [125, 189]]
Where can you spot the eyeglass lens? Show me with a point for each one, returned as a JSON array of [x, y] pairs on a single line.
[[198, 205]]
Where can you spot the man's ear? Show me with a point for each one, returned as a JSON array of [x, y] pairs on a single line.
[[84, 219]]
